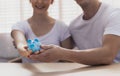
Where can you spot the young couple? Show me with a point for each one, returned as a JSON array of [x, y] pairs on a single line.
[[95, 32]]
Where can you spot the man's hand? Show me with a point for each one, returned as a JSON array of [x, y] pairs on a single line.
[[50, 53]]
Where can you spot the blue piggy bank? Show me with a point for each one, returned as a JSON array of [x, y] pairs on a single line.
[[34, 45]]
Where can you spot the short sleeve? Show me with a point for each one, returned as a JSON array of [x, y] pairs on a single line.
[[64, 31], [113, 25], [19, 26]]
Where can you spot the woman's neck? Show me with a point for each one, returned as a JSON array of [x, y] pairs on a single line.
[[40, 17]]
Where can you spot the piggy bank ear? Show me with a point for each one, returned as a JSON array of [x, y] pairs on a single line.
[[36, 40]]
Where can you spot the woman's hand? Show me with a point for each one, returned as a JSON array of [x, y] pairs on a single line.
[[23, 50]]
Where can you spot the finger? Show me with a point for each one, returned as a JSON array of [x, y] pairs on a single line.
[[25, 54], [42, 50], [30, 51], [46, 46], [40, 57], [26, 47], [44, 54], [34, 57], [37, 52]]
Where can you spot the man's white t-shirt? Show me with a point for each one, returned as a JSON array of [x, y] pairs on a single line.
[[89, 34], [58, 33]]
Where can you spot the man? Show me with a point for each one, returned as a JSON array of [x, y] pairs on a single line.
[[96, 33]]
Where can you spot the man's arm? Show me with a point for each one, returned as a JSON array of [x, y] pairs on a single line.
[[95, 56], [67, 43]]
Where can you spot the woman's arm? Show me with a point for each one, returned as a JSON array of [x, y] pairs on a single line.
[[20, 42]]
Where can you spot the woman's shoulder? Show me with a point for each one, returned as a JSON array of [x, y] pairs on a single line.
[[23, 22], [61, 26], [20, 25], [60, 23]]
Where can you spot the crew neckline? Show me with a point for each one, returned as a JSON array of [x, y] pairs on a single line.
[[99, 12]]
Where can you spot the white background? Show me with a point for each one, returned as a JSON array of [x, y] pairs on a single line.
[[12, 11]]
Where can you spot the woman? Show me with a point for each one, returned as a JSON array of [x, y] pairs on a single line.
[[41, 26]]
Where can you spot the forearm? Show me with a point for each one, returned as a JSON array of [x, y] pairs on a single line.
[[89, 57], [19, 38]]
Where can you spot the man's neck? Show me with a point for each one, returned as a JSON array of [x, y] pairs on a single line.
[[90, 10]]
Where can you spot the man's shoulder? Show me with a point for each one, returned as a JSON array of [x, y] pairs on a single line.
[[111, 9], [75, 21]]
